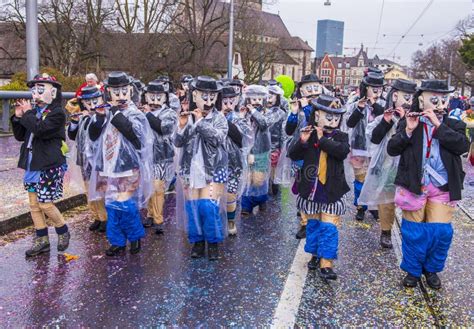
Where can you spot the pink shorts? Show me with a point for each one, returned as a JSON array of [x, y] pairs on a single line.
[[408, 201]]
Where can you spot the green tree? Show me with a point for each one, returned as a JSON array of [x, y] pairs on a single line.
[[467, 51]]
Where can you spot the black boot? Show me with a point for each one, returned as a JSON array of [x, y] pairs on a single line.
[[158, 229], [40, 245], [103, 227], [275, 189], [410, 281], [94, 226], [148, 222], [301, 234], [199, 249], [262, 207], [63, 241], [135, 247], [327, 273], [386, 239], [433, 280], [313, 264], [114, 250], [375, 214], [360, 214], [213, 251]]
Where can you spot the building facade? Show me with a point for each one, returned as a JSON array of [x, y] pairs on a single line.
[[330, 37]]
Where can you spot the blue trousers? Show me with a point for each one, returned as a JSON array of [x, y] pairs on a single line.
[[322, 239], [425, 246], [250, 202], [357, 189], [123, 223], [204, 221]]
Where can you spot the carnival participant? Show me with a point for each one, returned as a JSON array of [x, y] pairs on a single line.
[[237, 147], [200, 137], [40, 125], [163, 121], [429, 181], [256, 186], [379, 188], [320, 192], [174, 101], [360, 113], [277, 131], [90, 99], [122, 166], [307, 89]]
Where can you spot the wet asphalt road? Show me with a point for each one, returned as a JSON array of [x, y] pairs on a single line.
[[163, 286]]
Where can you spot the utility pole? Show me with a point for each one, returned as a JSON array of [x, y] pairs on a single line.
[[450, 68], [32, 41], [230, 55]]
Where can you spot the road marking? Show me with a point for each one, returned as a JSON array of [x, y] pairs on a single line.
[[287, 309]]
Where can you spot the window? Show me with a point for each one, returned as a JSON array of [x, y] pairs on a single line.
[[326, 64], [338, 80], [339, 72], [348, 65], [346, 80], [325, 72], [348, 72], [293, 73], [339, 65], [236, 59]]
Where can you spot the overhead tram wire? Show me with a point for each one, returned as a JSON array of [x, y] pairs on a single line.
[[380, 24], [411, 26]]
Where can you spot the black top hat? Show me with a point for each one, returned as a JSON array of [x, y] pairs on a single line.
[[138, 84], [118, 79], [205, 83], [43, 78], [434, 85], [155, 87], [163, 78], [228, 91], [372, 69], [236, 82], [373, 79], [186, 78], [309, 78], [328, 104], [404, 85], [90, 92]]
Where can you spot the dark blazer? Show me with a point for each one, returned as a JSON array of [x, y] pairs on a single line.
[[337, 149], [49, 133], [380, 131], [453, 143]]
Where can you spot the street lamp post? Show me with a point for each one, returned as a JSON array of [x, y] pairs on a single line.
[[32, 41], [231, 41]]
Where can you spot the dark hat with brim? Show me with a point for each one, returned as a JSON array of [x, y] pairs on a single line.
[[436, 86], [90, 92], [373, 80], [186, 78], [43, 78], [328, 104], [236, 82], [138, 84], [404, 85], [372, 69], [155, 87], [228, 92], [205, 83], [118, 79], [309, 78]]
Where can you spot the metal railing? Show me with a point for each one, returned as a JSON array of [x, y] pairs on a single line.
[[6, 96]]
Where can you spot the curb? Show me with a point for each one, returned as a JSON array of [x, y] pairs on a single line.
[[24, 220]]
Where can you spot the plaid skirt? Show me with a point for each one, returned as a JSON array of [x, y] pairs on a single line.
[[49, 188]]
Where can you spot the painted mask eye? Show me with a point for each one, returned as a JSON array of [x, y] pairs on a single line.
[[329, 116], [205, 97], [407, 97], [124, 91], [434, 100]]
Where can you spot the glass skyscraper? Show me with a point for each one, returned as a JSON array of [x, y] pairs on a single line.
[[330, 37]]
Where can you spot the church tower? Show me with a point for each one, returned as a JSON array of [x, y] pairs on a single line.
[[253, 4]]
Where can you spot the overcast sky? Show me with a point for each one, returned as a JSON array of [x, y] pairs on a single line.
[[361, 18]]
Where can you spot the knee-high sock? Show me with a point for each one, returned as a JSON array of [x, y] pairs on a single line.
[[357, 189], [53, 213], [195, 231], [425, 246], [212, 222], [231, 206], [36, 213], [97, 207], [322, 239]]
